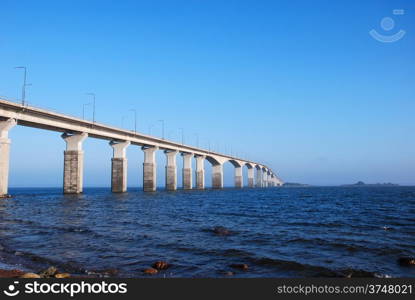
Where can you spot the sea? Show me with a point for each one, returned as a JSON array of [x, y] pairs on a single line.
[[359, 231]]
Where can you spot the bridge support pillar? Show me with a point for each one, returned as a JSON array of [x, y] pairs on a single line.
[[238, 177], [264, 179], [251, 177], [171, 170], [217, 176], [258, 177], [73, 168], [200, 172], [149, 169], [119, 167], [5, 126], [187, 171]]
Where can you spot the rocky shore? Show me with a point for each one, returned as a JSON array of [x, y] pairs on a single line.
[[50, 272], [159, 268]]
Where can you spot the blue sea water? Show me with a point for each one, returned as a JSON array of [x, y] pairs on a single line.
[[277, 232]]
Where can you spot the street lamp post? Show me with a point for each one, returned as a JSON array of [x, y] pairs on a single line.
[[135, 120], [182, 131], [24, 84], [93, 106], [162, 128]]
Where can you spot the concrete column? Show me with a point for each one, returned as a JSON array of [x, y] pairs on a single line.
[[239, 182], [149, 169], [217, 176], [200, 172], [187, 171], [264, 179], [258, 177], [119, 167], [5, 126], [251, 176], [73, 169], [171, 170]]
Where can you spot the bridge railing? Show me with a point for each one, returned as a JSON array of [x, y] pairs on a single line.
[[30, 105]]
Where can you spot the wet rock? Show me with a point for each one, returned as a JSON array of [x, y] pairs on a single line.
[[161, 265], [243, 267], [406, 261], [18, 253], [229, 273], [49, 272], [10, 273], [150, 271], [30, 275], [219, 230], [62, 275]]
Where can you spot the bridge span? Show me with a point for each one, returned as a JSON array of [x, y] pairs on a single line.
[[75, 131]]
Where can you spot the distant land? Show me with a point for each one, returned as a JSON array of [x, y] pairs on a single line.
[[357, 184], [293, 184], [361, 183]]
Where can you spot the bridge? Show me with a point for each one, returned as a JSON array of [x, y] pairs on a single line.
[[75, 131]]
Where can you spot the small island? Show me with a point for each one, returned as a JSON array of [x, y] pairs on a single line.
[[361, 183]]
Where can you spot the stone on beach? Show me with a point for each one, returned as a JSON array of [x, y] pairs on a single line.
[[49, 272], [10, 273], [407, 261], [30, 275], [62, 275], [161, 265], [150, 271]]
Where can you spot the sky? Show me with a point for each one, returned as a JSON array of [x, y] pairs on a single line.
[[300, 86]]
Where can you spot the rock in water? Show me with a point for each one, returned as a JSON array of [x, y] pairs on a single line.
[[219, 230], [30, 275], [49, 272], [150, 271], [406, 261], [161, 265], [243, 267]]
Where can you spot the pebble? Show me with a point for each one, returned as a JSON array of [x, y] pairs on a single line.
[[62, 275], [161, 265], [406, 261], [30, 275], [150, 271]]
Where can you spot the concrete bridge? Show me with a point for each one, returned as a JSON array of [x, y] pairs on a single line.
[[75, 131]]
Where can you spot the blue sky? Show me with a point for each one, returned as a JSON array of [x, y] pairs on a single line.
[[298, 85]]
